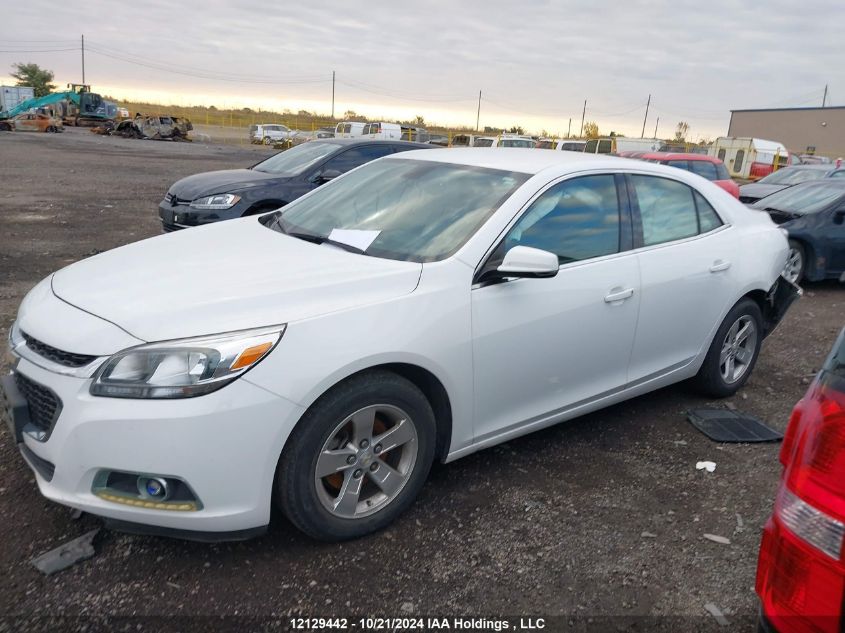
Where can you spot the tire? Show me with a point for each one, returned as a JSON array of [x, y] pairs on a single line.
[[383, 402], [716, 377], [796, 262], [268, 140]]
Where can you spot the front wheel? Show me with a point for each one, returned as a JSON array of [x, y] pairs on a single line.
[[358, 457], [268, 140], [733, 352]]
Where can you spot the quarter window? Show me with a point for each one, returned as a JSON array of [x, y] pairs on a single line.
[[708, 219], [577, 219]]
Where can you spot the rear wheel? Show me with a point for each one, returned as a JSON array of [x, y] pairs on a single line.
[[358, 457], [733, 352], [795, 262], [268, 140]]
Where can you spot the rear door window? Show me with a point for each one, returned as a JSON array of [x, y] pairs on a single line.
[[680, 164], [667, 209]]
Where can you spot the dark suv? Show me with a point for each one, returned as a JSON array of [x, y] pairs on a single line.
[[232, 193]]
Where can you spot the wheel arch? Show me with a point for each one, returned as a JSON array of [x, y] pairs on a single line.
[[427, 382]]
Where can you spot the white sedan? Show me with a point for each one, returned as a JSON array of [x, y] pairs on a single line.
[[423, 306]]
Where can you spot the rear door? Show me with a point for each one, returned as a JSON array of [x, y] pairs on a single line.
[[688, 281]]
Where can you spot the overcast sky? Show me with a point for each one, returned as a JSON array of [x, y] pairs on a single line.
[[534, 61]]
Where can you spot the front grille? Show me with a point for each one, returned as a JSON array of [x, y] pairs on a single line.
[[68, 359], [174, 200], [44, 405], [169, 227]]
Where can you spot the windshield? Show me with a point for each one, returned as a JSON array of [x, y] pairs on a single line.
[[802, 200], [509, 142], [296, 160], [792, 176], [483, 142], [409, 210]]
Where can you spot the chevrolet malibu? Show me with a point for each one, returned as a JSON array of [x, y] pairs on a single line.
[[423, 306]]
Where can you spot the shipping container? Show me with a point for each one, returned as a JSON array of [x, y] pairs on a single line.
[[10, 96]]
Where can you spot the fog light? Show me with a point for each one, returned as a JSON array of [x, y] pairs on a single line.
[[153, 487]]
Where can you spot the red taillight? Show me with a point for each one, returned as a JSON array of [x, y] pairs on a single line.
[[814, 450]]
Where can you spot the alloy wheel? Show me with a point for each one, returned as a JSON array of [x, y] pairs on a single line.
[[738, 349], [794, 264], [366, 461]]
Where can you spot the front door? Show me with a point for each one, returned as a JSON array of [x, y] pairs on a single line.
[[541, 346]]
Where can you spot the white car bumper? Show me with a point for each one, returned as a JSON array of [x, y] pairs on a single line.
[[224, 446]]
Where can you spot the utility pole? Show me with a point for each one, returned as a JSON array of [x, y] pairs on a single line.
[[83, 59], [655, 127], [332, 95], [824, 98], [478, 114], [569, 129], [583, 114], [648, 103]]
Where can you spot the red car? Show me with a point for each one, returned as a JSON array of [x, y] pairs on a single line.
[[801, 569], [708, 167]]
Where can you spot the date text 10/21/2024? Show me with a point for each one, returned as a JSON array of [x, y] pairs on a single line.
[[416, 623]]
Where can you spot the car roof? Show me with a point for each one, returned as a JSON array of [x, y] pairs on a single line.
[[679, 156], [526, 162]]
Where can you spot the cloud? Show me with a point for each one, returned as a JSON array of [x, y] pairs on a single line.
[[534, 61]]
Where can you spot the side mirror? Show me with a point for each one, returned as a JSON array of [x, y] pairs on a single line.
[[524, 261]]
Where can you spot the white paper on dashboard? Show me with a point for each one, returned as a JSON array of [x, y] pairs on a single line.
[[354, 237]]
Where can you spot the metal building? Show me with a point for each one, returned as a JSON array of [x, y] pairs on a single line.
[[803, 130]]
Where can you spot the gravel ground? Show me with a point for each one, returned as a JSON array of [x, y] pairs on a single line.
[[602, 516]]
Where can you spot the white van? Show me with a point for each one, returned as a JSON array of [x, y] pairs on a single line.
[[504, 141], [621, 144], [349, 129], [269, 133], [387, 131], [565, 144]]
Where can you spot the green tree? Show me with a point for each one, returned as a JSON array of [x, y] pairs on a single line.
[[516, 129], [681, 131], [34, 76], [591, 129], [419, 120]]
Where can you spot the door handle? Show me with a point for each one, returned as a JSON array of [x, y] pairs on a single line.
[[719, 265], [619, 295]]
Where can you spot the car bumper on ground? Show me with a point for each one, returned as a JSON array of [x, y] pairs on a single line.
[[224, 446]]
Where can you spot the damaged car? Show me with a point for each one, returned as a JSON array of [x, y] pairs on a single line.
[[422, 307], [154, 127]]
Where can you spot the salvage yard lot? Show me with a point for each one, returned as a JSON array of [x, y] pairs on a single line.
[[604, 515]]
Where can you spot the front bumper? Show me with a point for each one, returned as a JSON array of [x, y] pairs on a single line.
[[182, 216], [225, 445]]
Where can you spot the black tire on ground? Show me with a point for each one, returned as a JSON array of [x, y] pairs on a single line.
[[267, 140], [296, 489], [798, 256], [710, 379]]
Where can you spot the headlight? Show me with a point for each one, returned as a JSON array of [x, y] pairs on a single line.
[[183, 368], [217, 201]]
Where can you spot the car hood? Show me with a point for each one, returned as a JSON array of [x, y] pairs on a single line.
[[222, 181], [226, 276], [759, 190]]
